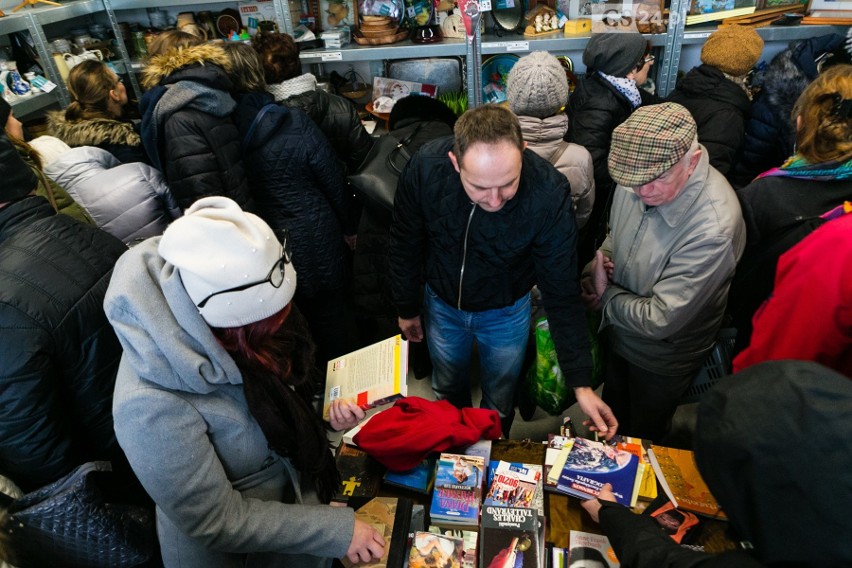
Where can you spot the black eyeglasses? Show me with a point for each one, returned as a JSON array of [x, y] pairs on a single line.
[[275, 276]]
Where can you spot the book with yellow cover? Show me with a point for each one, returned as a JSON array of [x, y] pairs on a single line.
[[369, 377], [678, 476]]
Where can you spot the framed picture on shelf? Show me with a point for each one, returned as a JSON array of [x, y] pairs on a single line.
[[335, 13], [828, 8]]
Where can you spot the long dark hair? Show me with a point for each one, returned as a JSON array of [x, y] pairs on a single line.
[[276, 358]]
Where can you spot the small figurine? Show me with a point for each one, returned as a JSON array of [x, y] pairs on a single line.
[[538, 24]]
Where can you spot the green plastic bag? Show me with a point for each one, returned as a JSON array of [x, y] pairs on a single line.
[[545, 382]]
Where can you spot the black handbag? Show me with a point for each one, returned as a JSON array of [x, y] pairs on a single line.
[[67, 523], [376, 178]]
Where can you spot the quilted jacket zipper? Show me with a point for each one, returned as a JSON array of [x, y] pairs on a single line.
[[464, 251]]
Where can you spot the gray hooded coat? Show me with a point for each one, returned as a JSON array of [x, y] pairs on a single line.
[[224, 499]]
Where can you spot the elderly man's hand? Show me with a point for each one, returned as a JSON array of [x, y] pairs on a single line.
[[588, 295], [602, 269], [601, 419]]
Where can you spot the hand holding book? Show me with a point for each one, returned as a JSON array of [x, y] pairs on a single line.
[[593, 506], [343, 415]]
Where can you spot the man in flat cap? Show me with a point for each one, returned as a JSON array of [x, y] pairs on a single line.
[[661, 276]]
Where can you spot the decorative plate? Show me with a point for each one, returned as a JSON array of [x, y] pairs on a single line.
[[495, 71]]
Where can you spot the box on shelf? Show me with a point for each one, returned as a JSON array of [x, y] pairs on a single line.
[[336, 37], [255, 11]]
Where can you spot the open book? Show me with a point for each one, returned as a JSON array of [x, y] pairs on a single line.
[[370, 376]]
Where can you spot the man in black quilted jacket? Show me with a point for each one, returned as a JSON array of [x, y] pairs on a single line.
[[485, 220], [58, 353]]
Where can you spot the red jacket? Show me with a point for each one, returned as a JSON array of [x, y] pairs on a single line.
[[809, 315]]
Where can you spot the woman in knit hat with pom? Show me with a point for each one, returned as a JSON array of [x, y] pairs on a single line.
[[537, 91], [716, 93], [213, 398], [616, 65]]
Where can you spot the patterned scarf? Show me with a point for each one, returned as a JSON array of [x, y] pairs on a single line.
[[798, 167], [292, 87], [626, 87]]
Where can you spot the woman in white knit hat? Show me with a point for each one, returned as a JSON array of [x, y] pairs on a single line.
[[213, 398], [537, 91]]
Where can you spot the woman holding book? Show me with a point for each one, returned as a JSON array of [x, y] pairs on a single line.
[[213, 398]]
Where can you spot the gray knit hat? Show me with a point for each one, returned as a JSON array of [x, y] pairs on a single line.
[[537, 86], [614, 53]]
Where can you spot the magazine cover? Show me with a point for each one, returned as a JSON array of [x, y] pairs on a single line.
[[515, 485], [594, 549], [591, 464], [509, 538]]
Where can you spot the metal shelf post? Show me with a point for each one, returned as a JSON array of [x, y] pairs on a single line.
[[674, 41], [47, 62], [122, 49]]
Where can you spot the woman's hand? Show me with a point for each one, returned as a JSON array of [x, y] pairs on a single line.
[[344, 415], [367, 544], [593, 506]]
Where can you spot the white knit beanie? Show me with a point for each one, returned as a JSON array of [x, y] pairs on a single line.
[[537, 86], [216, 246]]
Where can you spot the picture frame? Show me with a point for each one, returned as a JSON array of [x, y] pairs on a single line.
[[830, 5]]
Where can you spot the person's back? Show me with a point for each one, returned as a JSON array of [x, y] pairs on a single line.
[[187, 129], [130, 201], [716, 95], [537, 91], [334, 115], [59, 356]]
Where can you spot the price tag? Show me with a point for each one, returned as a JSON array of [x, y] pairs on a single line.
[[517, 46], [332, 56], [412, 12], [699, 35], [484, 5]]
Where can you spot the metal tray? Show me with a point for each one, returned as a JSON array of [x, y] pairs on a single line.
[[445, 72]]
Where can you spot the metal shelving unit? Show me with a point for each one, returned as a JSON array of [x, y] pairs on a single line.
[[670, 43]]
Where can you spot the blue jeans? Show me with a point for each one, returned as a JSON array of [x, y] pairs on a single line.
[[501, 336]]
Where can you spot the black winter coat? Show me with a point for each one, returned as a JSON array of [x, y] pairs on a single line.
[[638, 542], [595, 109], [778, 212], [370, 285], [339, 121], [297, 185], [720, 108], [771, 132], [530, 240], [58, 353], [195, 144]]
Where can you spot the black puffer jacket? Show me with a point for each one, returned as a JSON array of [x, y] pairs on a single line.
[[297, 185], [720, 108], [595, 109], [187, 128], [58, 353], [530, 240], [770, 135], [338, 120]]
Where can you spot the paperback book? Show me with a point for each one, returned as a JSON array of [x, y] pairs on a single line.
[[458, 490], [593, 548], [509, 538], [678, 476], [360, 475], [470, 539], [419, 479], [369, 377], [515, 485], [431, 550], [391, 517], [589, 465]]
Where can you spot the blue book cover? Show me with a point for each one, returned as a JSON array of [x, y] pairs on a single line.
[[418, 479], [458, 489], [590, 464]]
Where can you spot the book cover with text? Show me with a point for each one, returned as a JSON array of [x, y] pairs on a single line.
[[591, 464]]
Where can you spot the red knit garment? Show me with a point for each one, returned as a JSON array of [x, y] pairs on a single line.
[[403, 435]]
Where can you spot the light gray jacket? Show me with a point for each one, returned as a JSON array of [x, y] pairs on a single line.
[[673, 268], [543, 136], [224, 499], [129, 201]]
